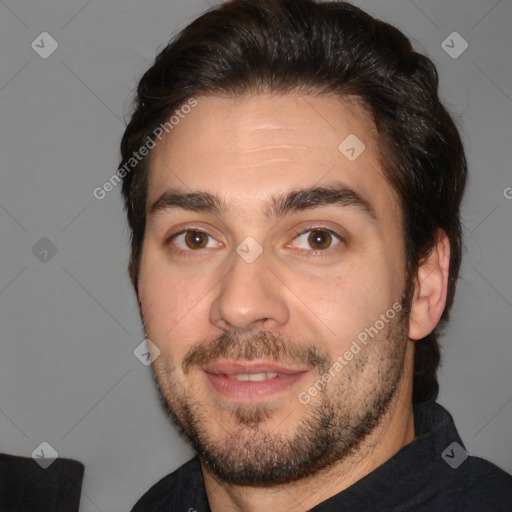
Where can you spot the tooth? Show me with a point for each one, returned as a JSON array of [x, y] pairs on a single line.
[[256, 377], [253, 377]]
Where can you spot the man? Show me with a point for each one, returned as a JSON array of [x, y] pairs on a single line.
[[293, 186]]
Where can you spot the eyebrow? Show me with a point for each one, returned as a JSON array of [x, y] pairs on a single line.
[[279, 205]]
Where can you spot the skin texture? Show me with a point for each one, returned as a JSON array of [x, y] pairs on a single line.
[[302, 302]]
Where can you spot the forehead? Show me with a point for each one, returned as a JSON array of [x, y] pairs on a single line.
[[247, 148]]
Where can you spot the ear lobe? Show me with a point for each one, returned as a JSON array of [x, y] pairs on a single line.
[[430, 289]]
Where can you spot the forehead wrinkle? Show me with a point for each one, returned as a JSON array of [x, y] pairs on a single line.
[[272, 147]]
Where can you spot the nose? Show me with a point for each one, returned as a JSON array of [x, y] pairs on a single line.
[[249, 297]]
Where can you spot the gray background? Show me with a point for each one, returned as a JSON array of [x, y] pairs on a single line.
[[69, 325]]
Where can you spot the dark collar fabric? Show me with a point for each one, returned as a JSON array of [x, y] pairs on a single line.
[[431, 474]]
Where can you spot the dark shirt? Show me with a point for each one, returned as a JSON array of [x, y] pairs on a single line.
[[418, 478]]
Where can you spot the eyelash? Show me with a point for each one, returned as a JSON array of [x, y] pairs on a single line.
[[310, 253]]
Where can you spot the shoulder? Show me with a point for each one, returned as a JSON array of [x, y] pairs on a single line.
[[477, 485], [172, 489], [489, 484], [445, 476]]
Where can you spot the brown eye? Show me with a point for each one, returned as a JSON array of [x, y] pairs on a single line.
[[192, 242], [320, 240], [196, 239]]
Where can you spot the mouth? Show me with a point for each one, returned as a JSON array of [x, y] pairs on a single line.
[[251, 381]]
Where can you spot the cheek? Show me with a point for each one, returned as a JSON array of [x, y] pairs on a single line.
[[331, 308], [172, 304], [349, 309], [157, 290], [342, 305]]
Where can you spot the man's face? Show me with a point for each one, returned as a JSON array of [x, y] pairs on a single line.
[[250, 329]]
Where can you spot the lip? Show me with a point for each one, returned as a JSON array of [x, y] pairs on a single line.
[[249, 391], [232, 367]]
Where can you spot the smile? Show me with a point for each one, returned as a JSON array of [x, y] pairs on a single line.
[[251, 381]]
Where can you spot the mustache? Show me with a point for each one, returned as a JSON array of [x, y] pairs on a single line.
[[259, 345]]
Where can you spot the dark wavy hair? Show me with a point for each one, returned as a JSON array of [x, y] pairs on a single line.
[[252, 46]]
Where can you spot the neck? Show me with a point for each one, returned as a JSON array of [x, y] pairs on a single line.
[[395, 430]]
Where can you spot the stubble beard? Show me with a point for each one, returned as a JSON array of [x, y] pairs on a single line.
[[330, 429]]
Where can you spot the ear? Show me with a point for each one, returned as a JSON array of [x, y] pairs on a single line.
[[430, 289]]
